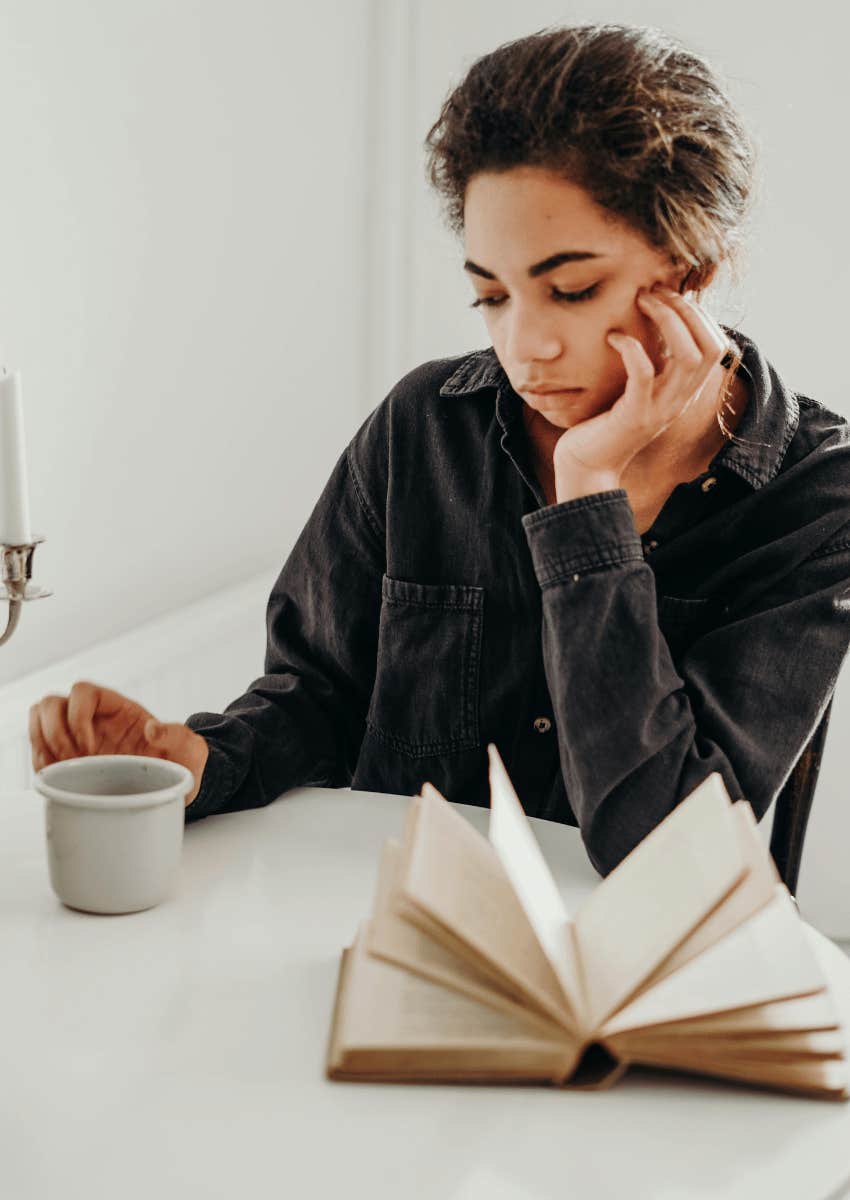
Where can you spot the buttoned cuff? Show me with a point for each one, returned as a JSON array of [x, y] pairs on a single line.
[[216, 785], [582, 534]]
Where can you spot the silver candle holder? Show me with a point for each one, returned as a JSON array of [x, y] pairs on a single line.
[[15, 585]]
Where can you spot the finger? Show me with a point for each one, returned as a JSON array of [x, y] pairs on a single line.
[[637, 362], [704, 329], [167, 740], [41, 755], [132, 737], [161, 736], [685, 350], [54, 728], [695, 306], [634, 407], [723, 341], [647, 407], [82, 705]]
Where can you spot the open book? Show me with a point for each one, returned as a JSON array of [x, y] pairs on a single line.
[[689, 956]]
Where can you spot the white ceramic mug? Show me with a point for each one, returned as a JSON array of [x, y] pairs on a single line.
[[114, 829]]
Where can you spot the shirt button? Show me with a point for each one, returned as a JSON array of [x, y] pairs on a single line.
[[542, 724], [649, 546], [708, 483]]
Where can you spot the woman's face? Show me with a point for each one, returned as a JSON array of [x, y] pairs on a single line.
[[518, 226]]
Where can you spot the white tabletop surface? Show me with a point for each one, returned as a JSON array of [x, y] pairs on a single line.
[[180, 1052]]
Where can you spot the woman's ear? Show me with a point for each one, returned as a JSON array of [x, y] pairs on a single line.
[[697, 279]]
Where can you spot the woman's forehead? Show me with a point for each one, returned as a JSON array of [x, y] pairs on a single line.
[[538, 218]]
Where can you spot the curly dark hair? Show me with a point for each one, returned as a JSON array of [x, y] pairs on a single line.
[[628, 113]]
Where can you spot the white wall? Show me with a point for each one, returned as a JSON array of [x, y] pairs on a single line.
[[185, 289]]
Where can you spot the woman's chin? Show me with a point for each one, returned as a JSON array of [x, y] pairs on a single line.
[[566, 413]]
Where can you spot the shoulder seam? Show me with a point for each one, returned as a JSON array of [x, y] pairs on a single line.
[[360, 493]]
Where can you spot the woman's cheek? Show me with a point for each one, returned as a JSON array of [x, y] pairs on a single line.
[[639, 325], [626, 317]]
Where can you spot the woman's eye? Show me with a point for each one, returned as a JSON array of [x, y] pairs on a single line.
[[570, 297]]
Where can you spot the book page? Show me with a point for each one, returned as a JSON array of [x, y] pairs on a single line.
[[513, 839], [392, 937], [775, 1047], [391, 1006], [767, 958], [827, 1078], [451, 873], [800, 1015], [384, 1006], [657, 895], [753, 891]]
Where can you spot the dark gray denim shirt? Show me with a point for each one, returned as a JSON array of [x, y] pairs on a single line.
[[434, 603]]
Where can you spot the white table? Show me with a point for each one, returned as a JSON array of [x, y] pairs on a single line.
[[180, 1052]]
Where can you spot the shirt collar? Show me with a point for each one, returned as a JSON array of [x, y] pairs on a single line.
[[759, 442]]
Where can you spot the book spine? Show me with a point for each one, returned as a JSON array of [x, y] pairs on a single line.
[[596, 1068]]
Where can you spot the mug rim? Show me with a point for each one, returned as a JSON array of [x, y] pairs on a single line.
[[178, 789]]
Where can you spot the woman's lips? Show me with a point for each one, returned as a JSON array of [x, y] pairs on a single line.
[[553, 391]]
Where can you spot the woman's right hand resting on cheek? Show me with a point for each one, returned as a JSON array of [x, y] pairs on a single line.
[[96, 720]]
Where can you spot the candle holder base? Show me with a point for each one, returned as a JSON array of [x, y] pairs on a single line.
[[27, 591], [15, 581]]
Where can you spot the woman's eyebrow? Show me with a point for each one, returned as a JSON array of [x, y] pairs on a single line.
[[548, 264]]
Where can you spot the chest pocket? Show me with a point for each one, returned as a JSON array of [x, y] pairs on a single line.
[[683, 619], [425, 699]]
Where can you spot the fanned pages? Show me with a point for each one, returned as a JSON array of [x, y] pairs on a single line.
[[690, 956], [393, 1024], [767, 958], [754, 891], [626, 929], [531, 879], [456, 890], [391, 937]]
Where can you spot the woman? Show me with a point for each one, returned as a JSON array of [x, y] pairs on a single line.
[[614, 543]]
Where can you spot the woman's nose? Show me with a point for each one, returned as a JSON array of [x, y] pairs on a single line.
[[531, 338]]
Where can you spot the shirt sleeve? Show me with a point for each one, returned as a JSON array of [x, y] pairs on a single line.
[[637, 733], [302, 722]]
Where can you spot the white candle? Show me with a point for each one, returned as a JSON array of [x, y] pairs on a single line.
[[14, 501]]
